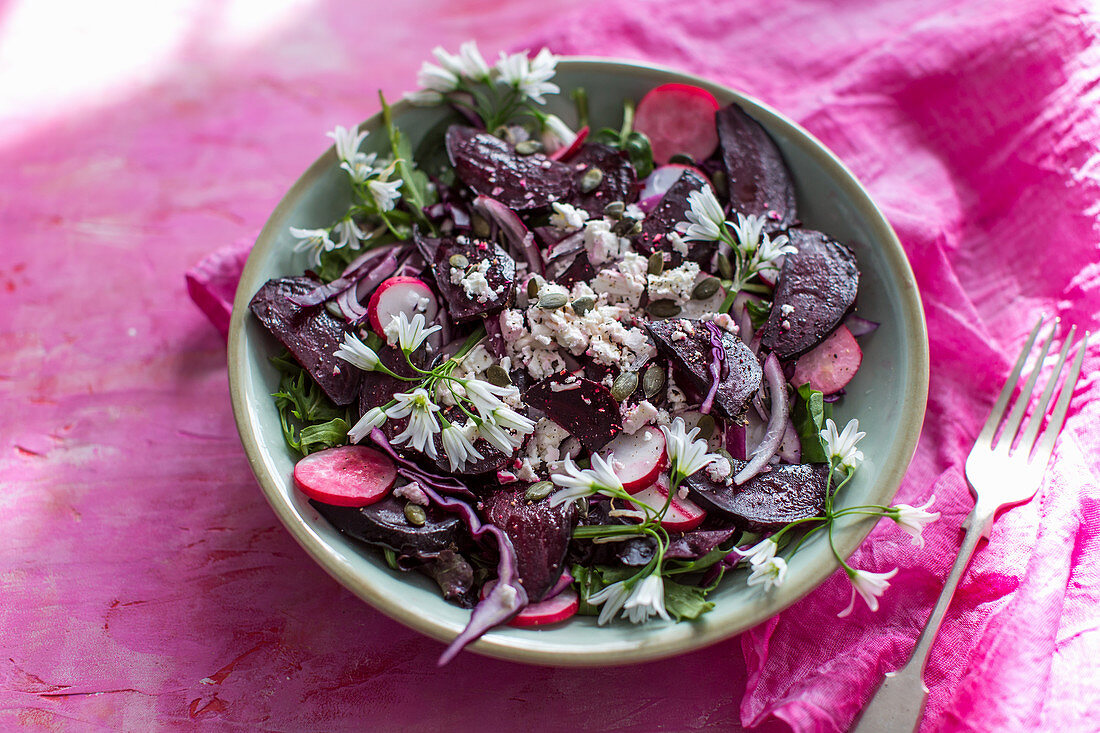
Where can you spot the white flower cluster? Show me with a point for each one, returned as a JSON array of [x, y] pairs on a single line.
[[496, 422], [767, 569], [454, 72], [646, 598]]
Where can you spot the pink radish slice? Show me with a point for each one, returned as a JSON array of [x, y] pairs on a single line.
[[682, 514], [401, 294], [348, 475], [570, 149], [831, 364], [678, 118], [639, 458], [662, 178], [551, 611]]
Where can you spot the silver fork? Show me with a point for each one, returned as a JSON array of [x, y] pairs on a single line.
[[999, 475]]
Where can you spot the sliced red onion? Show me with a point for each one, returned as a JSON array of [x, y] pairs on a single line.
[[777, 425], [520, 239], [649, 203], [563, 582], [568, 151], [859, 326], [741, 313], [355, 271], [790, 448], [717, 357], [737, 439]]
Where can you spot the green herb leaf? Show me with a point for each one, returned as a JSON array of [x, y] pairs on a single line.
[[700, 564], [808, 413], [685, 601], [324, 435], [758, 312], [637, 146], [302, 403], [414, 190]]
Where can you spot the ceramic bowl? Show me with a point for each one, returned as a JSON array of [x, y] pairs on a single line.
[[888, 394]]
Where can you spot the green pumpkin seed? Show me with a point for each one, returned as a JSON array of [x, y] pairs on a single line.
[[582, 506], [626, 226], [721, 183], [725, 269], [480, 226], [528, 147], [705, 289], [498, 375], [664, 308], [550, 301], [706, 426], [334, 309], [539, 491], [583, 304], [415, 514], [653, 380], [624, 385], [615, 209], [532, 289], [681, 159], [459, 261], [590, 180], [656, 263]]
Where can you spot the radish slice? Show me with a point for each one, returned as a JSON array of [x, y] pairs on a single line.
[[790, 448], [348, 475], [830, 365], [682, 514], [401, 294], [662, 178], [551, 611], [678, 118], [569, 150], [639, 458]]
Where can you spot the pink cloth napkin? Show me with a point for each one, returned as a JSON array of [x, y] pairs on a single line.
[[975, 126]]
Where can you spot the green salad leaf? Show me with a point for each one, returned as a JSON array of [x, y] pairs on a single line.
[[808, 413], [309, 419], [685, 601]]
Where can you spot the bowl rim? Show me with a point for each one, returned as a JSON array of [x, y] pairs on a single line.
[[914, 401]]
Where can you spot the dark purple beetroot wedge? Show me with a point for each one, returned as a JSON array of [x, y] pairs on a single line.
[[687, 546], [540, 533], [500, 277], [769, 500], [569, 267], [618, 180], [687, 344], [384, 523], [312, 335], [759, 182], [378, 389], [816, 289], [670, 211], [491, 167], [583, 407]]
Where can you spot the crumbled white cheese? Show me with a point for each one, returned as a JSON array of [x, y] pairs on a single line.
[[526, 471], [719, 470], [786, 309], [677, 400], [678, 244], [724, 321], [674, 284], [624, 283], [638, 416], [544, 445], [567, 218], [635, 212], [412, 493], [474, 282], [602, 244]]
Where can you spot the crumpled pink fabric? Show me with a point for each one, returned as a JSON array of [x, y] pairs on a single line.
[[975, 128]]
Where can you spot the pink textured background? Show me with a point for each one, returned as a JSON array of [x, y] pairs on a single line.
[[145, 582]]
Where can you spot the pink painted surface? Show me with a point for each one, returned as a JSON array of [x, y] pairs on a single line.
[[144, 580]]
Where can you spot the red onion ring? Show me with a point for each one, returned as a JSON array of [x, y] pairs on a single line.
[[777, 425]]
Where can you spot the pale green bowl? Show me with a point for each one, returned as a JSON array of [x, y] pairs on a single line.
[[888, 395]]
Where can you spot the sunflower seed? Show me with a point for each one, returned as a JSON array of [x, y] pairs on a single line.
[[656, 263], [415, 514], [583, 304], [705, 289], [459, 261], [653, 380], [498, 375], [539, 491], [624, 385], [590, 180], [664, 308], [550, 301]]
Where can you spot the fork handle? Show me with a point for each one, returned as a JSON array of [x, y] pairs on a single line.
[[898, 705]]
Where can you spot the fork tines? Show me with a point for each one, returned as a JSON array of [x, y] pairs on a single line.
[[1027, 442]]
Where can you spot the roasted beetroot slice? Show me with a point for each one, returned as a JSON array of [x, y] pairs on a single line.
[[741, 373], [491, 167], [501, 278], [583, 407], [759, 182], [384, 523], [540, 534], [570, 268], [619, 182], [681, 546], [378, 389], [670, 211], [820, 284], [767, 501], [312, 335]]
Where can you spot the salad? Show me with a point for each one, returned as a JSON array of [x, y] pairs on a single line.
[[570, 370]]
